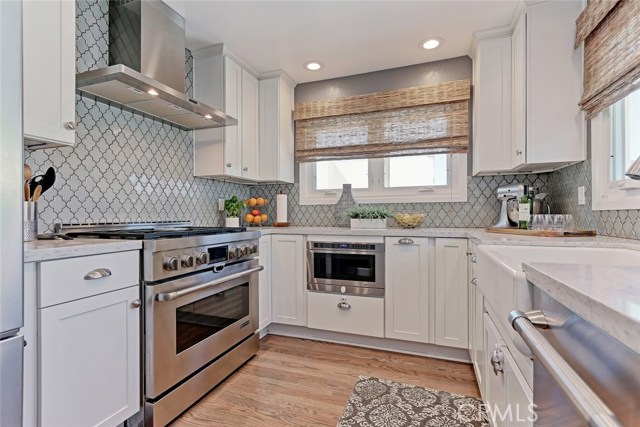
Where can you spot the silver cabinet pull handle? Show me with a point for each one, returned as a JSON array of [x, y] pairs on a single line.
[[474, 281], [578, 392], [497, 360], [136, 303], [343, 305], [474, 259], [69, 125], [405, 241], [228, 165], [518, 152], [245, 169], [98, 273]]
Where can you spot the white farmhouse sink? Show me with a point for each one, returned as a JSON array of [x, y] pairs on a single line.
[[505, 287]]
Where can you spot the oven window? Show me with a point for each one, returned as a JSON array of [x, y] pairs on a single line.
[[199, 320], [350, 267]]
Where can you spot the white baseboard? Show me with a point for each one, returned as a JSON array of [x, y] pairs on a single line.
[[388, 344]]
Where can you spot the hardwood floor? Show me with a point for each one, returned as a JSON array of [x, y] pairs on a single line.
[[295, 382]]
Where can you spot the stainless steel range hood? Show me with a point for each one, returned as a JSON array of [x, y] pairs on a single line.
[[147, 67]]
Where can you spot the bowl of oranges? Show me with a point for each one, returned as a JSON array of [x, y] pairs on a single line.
[[255, 216]]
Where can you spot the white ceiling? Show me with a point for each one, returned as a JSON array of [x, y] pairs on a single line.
[[348, 37]]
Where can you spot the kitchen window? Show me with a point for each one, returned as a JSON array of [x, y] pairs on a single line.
[[615, 142], [420, 178]]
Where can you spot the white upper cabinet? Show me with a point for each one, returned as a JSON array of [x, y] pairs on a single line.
[[276, 129], [49, 79], [492, 103], [222, 82], [545, 129]]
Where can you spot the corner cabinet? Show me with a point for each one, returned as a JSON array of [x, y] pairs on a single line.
[[407, 292], [545, 130], [288, 284], [231, 152], [276, 129], [49, 73]]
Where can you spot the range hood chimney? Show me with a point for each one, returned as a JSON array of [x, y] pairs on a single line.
[[147, 67]]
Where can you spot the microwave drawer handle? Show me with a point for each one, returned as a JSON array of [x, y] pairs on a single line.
[[583, 399], [170, 296]]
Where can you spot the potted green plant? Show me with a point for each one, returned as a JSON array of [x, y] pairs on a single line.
[[368, 218], [233, 207]]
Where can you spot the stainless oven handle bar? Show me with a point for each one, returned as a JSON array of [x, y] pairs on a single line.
[[169, 296], [584, 400]]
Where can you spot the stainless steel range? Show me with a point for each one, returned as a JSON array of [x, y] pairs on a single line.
[[200, 287]]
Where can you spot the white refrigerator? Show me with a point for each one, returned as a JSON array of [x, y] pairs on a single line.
[[11, 196]]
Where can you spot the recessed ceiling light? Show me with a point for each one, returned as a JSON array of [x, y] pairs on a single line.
[[313, 65], [431, 43], [152, 92]]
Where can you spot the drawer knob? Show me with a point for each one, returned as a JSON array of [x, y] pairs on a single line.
[[228, 165], [343, 304], [474, 281], [497, 360], [69, 125], [136, 304], [98, 273], [474, 259]]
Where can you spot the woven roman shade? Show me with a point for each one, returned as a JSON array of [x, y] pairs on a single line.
[[430, 119], [610, 30]]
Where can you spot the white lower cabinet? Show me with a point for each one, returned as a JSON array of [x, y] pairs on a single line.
[[264, 299], [407, 288], [506, 393], [451, 301], [90, 360], [288, 283], [346, 313]]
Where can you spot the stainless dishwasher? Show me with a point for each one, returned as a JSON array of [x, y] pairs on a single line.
[[582, 376]]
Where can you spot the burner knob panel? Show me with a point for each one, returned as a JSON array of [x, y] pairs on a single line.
[[187, 260], [202, 258], [170, 263]]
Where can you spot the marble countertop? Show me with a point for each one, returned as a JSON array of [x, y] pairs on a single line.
[[607, 296], [477, 235], [46, 250]]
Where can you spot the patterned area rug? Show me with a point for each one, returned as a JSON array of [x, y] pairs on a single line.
[[376, 402]]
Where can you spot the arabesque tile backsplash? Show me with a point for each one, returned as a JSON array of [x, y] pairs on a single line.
[[124, 167]]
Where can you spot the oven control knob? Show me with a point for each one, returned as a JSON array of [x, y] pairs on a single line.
[[170, 263], [187, 260], [202, 258], [233, 253], [253, 249], [244, 250]]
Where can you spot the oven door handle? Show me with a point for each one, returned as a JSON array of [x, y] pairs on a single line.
[[170, 296]]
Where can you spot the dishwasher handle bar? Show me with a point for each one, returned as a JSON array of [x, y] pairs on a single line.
[[170, 296], [584, 400]]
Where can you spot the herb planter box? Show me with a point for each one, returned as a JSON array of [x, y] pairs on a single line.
[[370, 224]]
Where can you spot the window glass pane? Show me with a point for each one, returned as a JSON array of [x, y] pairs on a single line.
[[332, 174], [625, 134], [417, 171]]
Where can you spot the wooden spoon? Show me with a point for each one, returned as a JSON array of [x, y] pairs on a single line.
[[28, 173], [37, 193]]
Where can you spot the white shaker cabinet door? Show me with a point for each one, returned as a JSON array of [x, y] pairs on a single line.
[[288, 280], [451, 301], [49, 72], [407, 288], [264, 307], [250, 131], [233, 107], [90, 360]]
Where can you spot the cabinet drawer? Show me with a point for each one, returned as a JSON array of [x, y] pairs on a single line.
[[361, 315], [64, 280]]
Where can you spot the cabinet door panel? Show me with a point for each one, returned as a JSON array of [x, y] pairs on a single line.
[[288, 280], [519, 55], [233, 107], [451, 301], [49, 71], [264, 309], [250, 147], [407, 289], [90, 360]]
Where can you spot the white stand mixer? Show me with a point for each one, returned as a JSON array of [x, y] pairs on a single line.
[[506, 193]]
